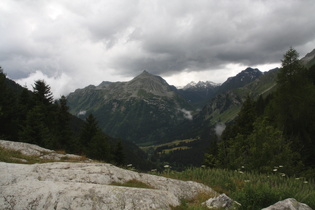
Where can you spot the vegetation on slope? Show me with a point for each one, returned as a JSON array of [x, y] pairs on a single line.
[[275, 130], [251, 189], [34, 117]]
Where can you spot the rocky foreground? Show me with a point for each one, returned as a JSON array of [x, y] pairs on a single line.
[[88, 185], [70, 185]]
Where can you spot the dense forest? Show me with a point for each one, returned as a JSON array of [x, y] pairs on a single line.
[[35, 117], [276, 132]]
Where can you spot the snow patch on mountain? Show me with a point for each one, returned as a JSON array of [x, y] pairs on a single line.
[[200, 84]]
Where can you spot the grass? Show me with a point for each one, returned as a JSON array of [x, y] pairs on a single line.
[[226, 116], [172, 144], [166, 151], [252, 190], [13, 156], [133, 183], [194, 203]]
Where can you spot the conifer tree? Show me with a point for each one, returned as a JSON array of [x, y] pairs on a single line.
[[42, 92], [8, 110], [293, 106], [89, 130], [63, 132], [94, 142], [119, 156], [40, 119]]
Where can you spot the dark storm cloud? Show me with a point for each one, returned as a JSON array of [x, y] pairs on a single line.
[[92, 40], [208, 35]]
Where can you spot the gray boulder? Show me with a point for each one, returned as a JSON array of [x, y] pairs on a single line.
[[288, 204], [220, 202], [34, 150], [86, 185]]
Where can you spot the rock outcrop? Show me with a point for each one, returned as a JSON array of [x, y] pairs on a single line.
[[93, 185], [290, 204], [34, 150], [220, 202], [68, 185]]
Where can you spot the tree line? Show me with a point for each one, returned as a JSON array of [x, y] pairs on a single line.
[[35, 117], [276, 132]]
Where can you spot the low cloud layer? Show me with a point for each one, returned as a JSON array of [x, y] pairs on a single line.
[[187, 114], [219, 128], [91, 41]]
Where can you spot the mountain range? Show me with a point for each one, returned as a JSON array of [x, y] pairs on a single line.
[[147, 110], [142, 110], [172, 124]]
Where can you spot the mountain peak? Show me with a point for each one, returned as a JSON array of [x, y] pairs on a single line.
[[200, 85], [244, 77], [145, 73], [250, 69], [150, 83], [190, 85]]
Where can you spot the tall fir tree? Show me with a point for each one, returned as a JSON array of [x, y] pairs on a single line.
[[89, 130], [8, 110], [119, 156], [293, 106], [63, 132], [40, 119], [42, 92]]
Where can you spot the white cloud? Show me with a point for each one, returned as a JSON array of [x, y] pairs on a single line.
[[93, 40], [219, 128], [59, 84], [187, 114]]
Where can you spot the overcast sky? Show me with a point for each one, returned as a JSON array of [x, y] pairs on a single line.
[[73, 43]]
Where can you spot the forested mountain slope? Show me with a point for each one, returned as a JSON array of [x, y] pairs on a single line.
[[143, 110], [35, 117]]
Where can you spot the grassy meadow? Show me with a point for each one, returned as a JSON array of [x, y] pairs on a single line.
[[251, 190]]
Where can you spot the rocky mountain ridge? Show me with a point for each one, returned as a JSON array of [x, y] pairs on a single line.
[[147, 109], [200, 84], [309, 59], [241, 79], [141, 110]]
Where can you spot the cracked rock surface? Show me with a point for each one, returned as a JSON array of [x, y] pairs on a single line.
[[66, 185]]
